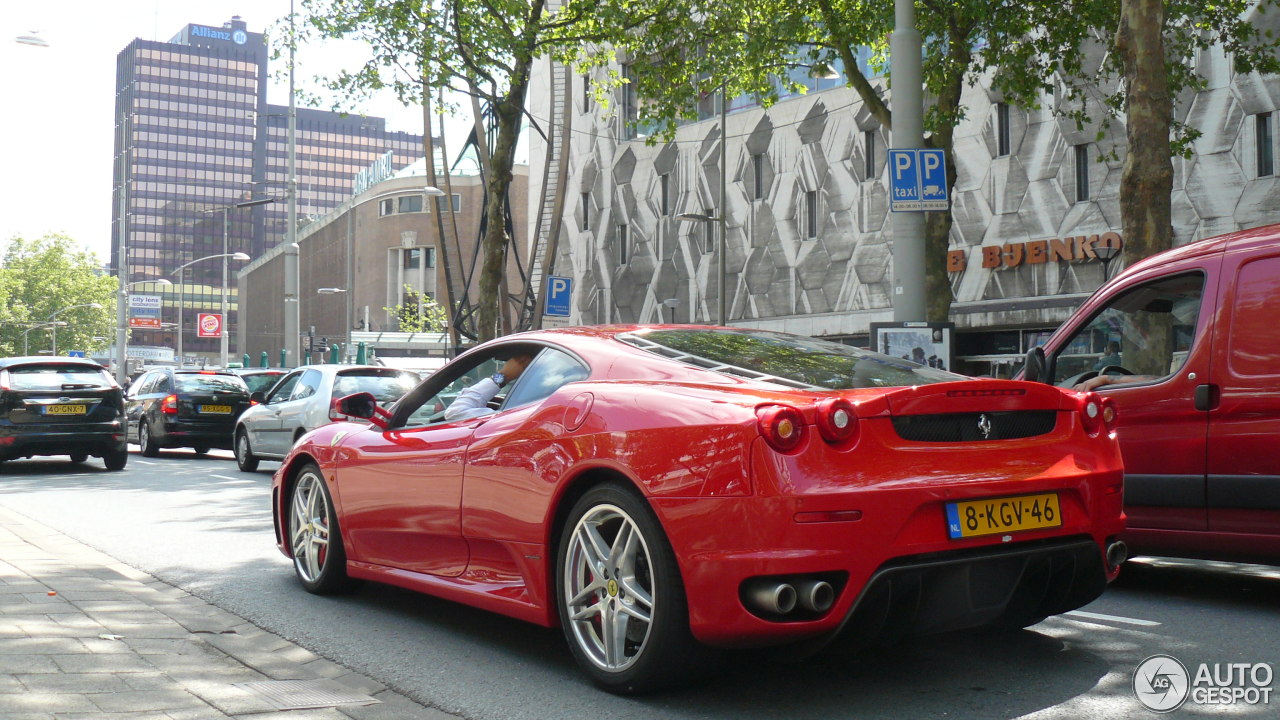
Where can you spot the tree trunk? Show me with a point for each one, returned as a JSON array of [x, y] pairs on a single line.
[[496, 241], [937, 225], [1146, 182]]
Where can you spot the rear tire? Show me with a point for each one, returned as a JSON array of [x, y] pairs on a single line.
[[620, 597], [315, 539], [245, 459], [115, 459], [79, 457], [146, 443]]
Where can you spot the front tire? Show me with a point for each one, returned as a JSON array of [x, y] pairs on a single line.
[[621, 600], [315, 539], [245, 458], [146, 442]]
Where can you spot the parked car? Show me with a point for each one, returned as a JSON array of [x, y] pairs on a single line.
[[61, 406], [654, 490], [1197, 384], [174, 408], [260, 378], [304, 400]]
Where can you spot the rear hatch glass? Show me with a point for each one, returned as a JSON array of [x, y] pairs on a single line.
[[385, 385]]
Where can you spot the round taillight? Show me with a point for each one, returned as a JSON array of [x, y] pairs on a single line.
[[1109, 413], [1091, 412], [781, 426], [836, 420]]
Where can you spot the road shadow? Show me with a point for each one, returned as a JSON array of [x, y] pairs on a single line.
[[1203, 581]]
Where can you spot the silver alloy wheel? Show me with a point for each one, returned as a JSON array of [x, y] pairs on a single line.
[[609, 588], [243, 451], [309, 523]]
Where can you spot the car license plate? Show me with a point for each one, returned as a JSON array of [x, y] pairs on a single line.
[[973, 518], [65, 409], [216, 409]]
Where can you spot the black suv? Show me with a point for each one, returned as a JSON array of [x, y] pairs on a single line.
[[172, 408], [61, 406]]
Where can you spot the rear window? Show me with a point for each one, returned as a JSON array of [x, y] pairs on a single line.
[[261, 381], [210, 384], [384, 385], [790, 360], [47, 377]]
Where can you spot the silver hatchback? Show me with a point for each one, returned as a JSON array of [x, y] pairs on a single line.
[[305, 399]]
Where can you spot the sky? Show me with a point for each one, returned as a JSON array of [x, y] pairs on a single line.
[[56, 135]]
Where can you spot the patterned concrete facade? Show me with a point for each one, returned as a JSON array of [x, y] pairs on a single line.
[[628, 251]]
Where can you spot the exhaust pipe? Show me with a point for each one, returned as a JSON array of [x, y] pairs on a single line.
[[1117, 553], [815, 595], [771, 596]]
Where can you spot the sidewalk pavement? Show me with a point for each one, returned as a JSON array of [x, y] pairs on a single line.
[[85, 636]]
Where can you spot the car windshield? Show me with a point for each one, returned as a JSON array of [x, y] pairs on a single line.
[[790, 360], [44, 377], [210, 384], [384, 385], [261, 381]]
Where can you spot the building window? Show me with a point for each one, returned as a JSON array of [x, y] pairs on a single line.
[[410, 204], [386, 207], [622, 244], [412, 258], [586, 211], [757, 170], [809, 215], [1266, 145], [429, 257], [1082, 173], [1002, 129], [666, 186], [457, 202], [586, 92], [630, 104], [869, 154]]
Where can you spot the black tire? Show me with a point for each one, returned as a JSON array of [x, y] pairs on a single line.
[[146, 443], [658, 650], [115, 459], [245, 458], [315, 538], [201, 449], [79, 457]]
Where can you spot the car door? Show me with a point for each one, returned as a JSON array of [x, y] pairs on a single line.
[[135, 403], [152, 400], [1243, 398], [1163, 326], [264, 427], [294, 411], [400, 488]]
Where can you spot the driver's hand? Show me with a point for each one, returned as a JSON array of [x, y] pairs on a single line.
[[1094, 382]]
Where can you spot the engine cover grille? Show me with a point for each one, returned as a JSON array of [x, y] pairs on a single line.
[[975, 427]]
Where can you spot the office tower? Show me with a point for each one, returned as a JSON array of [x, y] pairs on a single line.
[[194, 137]]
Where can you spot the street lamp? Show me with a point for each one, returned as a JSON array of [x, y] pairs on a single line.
[[25, 349], [226, 213], [182, 300], [55, 314], [720, 252], [1106, 253]]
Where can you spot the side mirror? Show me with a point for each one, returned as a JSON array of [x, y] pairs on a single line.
[[360, 405], [258, 396], [1034, 369]]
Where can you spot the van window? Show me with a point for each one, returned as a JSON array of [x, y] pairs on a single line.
[[1255, 334], [1148, 330]]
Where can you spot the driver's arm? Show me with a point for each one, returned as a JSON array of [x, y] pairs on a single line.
[[472, 401], [1094, 383]]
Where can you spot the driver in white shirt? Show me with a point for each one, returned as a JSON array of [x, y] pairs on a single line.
[[473, 401]]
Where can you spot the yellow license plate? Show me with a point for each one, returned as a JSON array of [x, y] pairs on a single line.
[[65, 410], [973, 518], [216, 409]]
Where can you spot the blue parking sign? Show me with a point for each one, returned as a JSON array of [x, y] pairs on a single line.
[[559, 293], [917, 180]]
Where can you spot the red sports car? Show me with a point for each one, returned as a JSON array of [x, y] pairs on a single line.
[[660, 490]]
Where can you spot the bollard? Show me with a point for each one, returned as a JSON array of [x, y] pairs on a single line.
[[264, 359], [334, 350], [361, 357], [244, 360]]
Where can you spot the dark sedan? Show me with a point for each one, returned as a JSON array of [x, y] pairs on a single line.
[[61, 406], [172, 408]]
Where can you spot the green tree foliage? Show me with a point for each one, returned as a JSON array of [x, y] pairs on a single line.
[[1023, 50], [415, 318], [41, 277], [485, 49]]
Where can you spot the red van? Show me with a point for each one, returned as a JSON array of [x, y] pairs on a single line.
[[1188, 347]]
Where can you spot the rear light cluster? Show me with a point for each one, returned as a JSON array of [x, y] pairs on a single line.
[[169, 405], [1097, 413], [783, 427]]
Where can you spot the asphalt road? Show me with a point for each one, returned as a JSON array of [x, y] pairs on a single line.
[[202, 525]]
